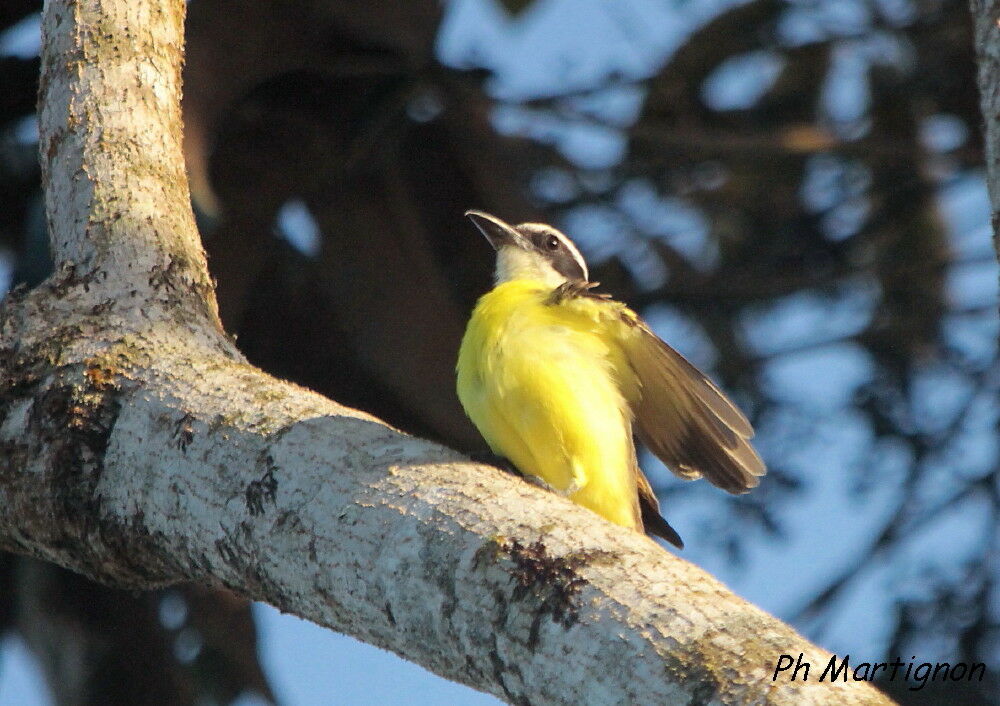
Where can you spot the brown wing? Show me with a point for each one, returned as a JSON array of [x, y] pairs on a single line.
[[684, 418]]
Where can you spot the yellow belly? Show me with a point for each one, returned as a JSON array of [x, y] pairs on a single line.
[[541, 384]]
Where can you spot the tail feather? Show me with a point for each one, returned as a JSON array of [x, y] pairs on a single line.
[[654, 523]]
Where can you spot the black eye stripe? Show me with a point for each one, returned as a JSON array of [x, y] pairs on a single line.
[[546, 241], [560, 253]]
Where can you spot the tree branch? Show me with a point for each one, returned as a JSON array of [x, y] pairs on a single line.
[[142, 450], [986, 22]]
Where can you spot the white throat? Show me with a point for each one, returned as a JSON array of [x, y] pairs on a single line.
[[516, 263]]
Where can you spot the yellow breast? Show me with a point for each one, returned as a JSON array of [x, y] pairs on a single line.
[[543, 384]]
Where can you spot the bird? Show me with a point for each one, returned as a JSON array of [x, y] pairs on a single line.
[[560, 379]]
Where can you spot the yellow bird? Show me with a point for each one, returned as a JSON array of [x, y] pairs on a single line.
[[557, 378]]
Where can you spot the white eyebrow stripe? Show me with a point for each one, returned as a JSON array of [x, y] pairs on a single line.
[[544, 227]]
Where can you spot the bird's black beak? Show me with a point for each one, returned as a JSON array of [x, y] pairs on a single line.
[[496, 231]]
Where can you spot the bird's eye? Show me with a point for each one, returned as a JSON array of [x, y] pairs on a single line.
[[552, 242]]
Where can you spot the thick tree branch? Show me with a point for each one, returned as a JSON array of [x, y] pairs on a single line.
[[986, 19], [140, 449]]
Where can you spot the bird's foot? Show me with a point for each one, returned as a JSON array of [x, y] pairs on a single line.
[[578, 481], [538, 482], [566, 492], [576, 485]]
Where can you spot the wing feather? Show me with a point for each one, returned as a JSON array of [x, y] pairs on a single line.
[[684, 418]]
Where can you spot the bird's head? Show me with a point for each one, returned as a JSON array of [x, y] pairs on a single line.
[[531, 251]]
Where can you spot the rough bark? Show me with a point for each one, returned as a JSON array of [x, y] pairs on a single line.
[[986, 19], [142, 450]]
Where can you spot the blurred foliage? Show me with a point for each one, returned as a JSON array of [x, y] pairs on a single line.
[[515, 7], [806, 197], [800, 216]]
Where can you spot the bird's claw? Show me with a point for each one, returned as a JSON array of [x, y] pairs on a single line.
[[576, 485], [538, 482]]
